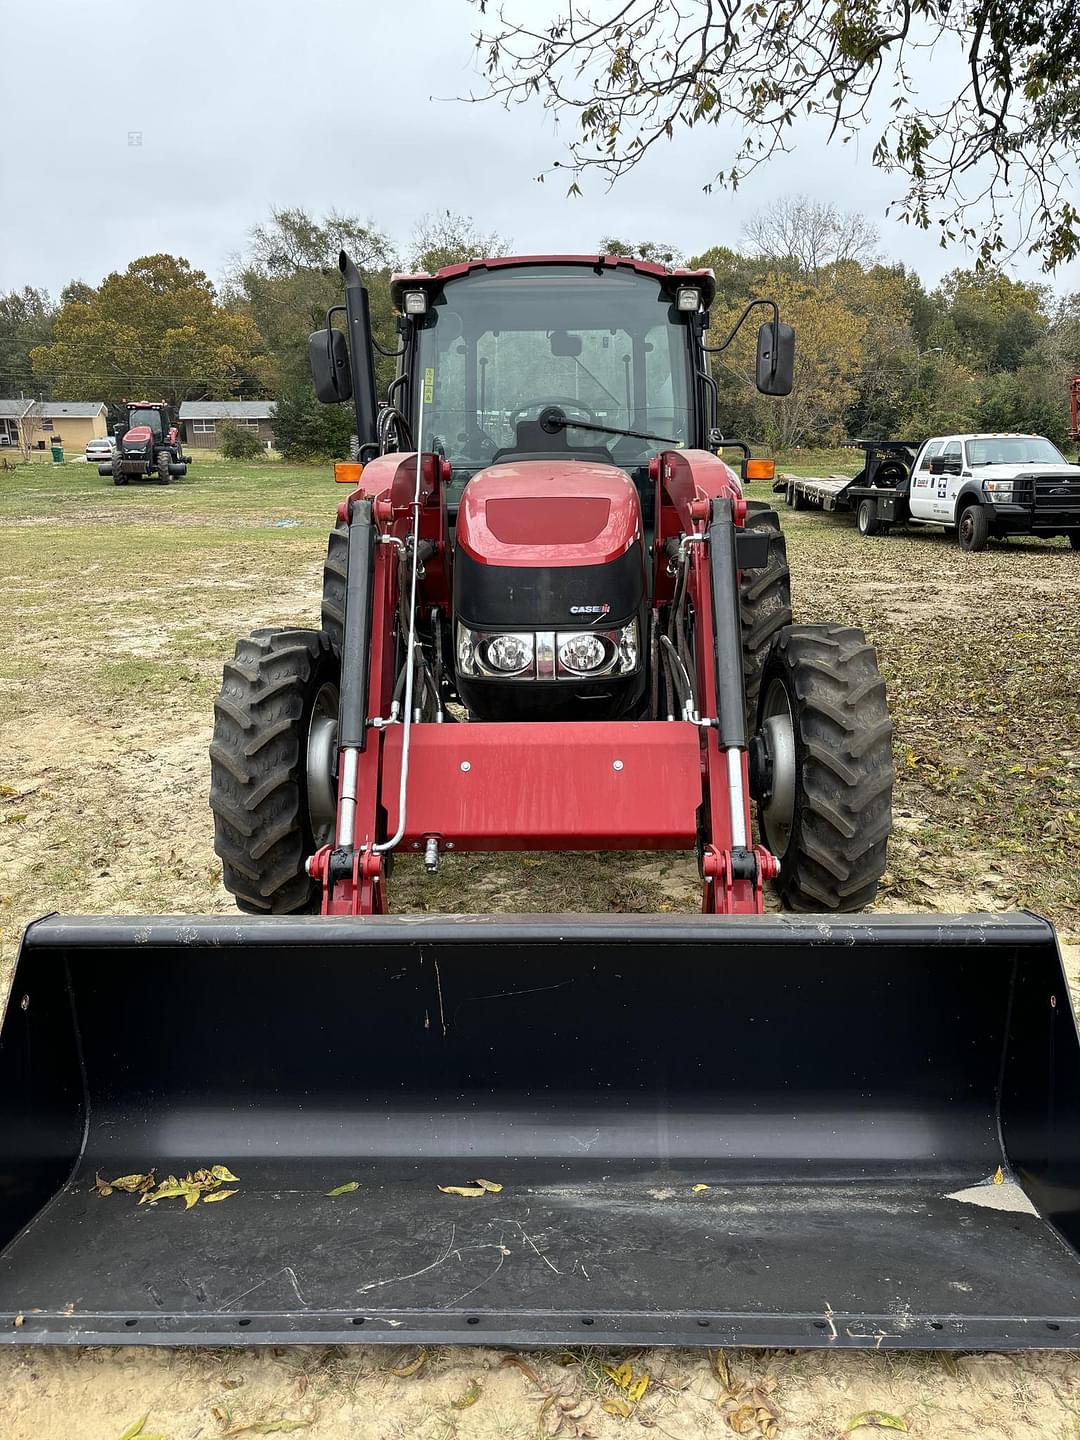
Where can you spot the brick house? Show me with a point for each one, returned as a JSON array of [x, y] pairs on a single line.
[[200, 420]]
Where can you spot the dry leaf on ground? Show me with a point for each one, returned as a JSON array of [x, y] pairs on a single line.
[[875, 1420], [346, 1189], [469, 1397], [404, 1371]]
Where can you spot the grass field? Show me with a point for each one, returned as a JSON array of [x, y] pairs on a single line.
[[120, 605]]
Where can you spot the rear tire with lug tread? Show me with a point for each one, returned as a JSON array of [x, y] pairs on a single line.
[[867, 519], [163, 468], [764, 603], [823, 682], [277, 681], [973, 530]]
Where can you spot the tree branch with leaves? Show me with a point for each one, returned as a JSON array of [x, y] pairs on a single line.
[[987, 157]]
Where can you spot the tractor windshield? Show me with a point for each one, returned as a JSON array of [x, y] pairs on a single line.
[[146, 417], [498, 346]]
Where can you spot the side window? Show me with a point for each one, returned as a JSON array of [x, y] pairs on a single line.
[[952, 453], [928, 454]]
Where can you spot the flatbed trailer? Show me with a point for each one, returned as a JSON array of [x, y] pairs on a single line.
[[886, 465]]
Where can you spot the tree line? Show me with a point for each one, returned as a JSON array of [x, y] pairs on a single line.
[[879, 354]]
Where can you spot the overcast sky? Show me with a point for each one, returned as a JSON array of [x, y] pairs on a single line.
[[132, 127]]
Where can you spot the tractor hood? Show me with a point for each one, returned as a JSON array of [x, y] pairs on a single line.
[[557, 513], [138, 435], [1010, 472]]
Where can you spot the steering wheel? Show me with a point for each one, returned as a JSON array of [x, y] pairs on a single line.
[[562, 401]]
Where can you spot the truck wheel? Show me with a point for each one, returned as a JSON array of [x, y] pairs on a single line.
[[824, 767], [119, 479], [335, 579], [273, 786], [764, 603], [973, 530], [163, 468], [867, 518]]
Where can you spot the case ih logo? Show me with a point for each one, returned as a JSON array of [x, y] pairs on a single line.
[[596, 611]]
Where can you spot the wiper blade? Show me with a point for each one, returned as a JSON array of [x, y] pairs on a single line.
[[552, 420]]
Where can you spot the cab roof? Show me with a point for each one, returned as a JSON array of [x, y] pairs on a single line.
[[705, 280]]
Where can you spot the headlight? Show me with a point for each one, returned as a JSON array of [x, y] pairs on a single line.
[[466, 651], [998, 489], [582, 653], [509, 654], [628, 646]]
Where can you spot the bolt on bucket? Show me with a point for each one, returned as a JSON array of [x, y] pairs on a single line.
[[780, 1131]]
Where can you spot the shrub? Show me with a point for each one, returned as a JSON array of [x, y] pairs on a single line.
[[306, 430], [239, 442]]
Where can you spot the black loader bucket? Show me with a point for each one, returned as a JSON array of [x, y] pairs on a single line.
[[779, 1131]]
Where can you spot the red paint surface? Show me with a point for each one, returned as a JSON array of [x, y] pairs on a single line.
[[139, 434], [548, 786], [704, 278], [548, 512]]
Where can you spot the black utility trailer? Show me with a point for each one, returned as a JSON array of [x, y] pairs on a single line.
[[886, 468]]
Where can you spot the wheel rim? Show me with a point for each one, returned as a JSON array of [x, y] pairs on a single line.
[[967, 528], [778, 729], [321, 764], [864, 517]]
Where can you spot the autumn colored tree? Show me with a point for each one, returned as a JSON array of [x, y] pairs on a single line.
[[157, 329]]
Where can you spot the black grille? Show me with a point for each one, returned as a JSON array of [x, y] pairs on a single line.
[[1054, 492]]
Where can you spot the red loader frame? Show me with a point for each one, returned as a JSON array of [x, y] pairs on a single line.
[[623, 785]]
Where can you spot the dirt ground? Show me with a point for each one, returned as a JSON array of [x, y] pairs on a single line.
[[119, 607]]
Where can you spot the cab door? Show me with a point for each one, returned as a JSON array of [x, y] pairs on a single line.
[[923, 484], [949, 482]]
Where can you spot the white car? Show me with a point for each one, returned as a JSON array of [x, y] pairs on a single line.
[[99, 450]]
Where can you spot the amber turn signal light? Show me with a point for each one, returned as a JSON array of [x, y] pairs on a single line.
[[348, 472], [760, 469]]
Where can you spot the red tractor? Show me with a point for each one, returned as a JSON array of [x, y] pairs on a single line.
[[147, 446], [551, 621]]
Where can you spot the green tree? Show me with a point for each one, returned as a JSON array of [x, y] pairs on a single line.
[[26, 321], [157, 329], [990, 320], [655, 251], [289, 278], [450, 239]]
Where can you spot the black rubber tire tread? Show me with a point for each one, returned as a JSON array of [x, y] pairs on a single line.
[[1074, 539], [163, 468], [980, 529], [764, 603], [872, 526], [844, 768], [119, 479], [335, 579], [258, 786]]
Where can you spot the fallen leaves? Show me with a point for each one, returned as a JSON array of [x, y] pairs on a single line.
[[473, 1190], [523, 1365], [281, 1425], [417, 1363], [699, 1188], [138, 1429], [202, 1184], [346, 1189], [469, 1397], [748, 1409], [875, 1420], [633, 1387], [999, 1176]]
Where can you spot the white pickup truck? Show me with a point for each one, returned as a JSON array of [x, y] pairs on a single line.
[[979, 486]]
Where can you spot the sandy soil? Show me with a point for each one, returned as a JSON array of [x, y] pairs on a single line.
[[104, 720]]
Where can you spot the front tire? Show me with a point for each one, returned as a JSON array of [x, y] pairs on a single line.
[[973, 530], [826, 810], [163, 468], [272, 787], [764, 603]]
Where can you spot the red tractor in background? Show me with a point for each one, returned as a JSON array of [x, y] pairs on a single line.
[[147, 445]]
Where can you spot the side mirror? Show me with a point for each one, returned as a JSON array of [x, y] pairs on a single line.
[[775, 363], [328, 355]]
